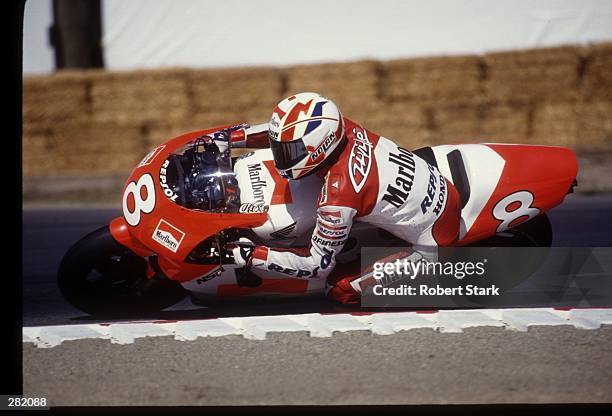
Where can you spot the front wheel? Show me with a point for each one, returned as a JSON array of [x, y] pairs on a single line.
[[101, 277]]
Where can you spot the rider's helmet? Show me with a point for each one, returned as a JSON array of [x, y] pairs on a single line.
[[304, 131]]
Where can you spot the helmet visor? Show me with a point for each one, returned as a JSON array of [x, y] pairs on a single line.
[[287, 154]]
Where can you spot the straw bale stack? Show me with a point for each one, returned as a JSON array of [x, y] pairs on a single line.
[[83, 147], [139, 96], [594, 125], [505, 122], [52, 98], [235, 91], [352, 85], [597, 78], [555, 123], [550, 73], [441, 81]]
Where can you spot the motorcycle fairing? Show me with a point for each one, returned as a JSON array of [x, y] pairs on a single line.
[[153, 223], [509, 183]]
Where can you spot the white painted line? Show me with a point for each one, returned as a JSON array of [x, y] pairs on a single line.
[[317, 325], [327, 325], [31, 333], [191, 330], [457, 321], [392, 322], [522, 319], [53, 336], [591, 318], [128, 333], [258, 327]]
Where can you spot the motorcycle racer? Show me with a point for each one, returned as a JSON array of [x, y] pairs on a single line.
[[367, 178]]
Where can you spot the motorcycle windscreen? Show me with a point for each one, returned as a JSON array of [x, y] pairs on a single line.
[[203, 178]]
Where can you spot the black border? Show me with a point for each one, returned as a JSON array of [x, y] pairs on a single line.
[[12, 275], [12, 312], [365, 410]]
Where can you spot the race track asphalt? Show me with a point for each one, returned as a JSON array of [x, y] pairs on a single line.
[[480, 365], [546, 364], [48, 233]]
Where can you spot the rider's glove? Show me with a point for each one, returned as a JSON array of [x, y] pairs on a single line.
[[242, 252], [242, 255]]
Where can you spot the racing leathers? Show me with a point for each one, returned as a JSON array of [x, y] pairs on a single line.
[[378, 182]]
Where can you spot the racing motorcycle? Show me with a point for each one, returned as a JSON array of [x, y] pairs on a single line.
[[188, 199]]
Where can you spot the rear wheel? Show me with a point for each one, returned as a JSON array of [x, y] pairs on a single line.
[[507, 268], [101, 277], [536, 232]]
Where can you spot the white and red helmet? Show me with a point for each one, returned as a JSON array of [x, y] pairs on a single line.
[[304, 131]]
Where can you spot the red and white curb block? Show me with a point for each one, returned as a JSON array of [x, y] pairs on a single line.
[[317, 325]]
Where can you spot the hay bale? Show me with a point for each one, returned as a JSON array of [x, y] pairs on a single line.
[[403, 123], [350, 85], [549, 73], [137, 96], [36, 155], [597, 78], [459, 123], [158, 132], [235, 89], [84, 148], [440, 80], [594, 125], [368, 111], [256, 115], [48, 99], [505, 122], [555, 123]]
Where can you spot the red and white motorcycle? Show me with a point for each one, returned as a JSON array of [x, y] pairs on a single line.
[[160, 250]]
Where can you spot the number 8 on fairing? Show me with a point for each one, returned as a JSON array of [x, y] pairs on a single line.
[[140, 205], [523, 199]]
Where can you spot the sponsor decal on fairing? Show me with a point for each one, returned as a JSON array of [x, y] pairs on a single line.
[[214, 273], [168, 235], [164, 183]]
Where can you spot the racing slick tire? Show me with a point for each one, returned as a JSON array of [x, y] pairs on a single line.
[[101, 277], [508, 271], [536, 232]]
